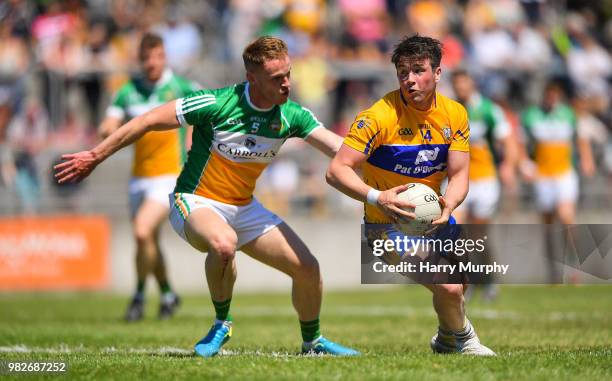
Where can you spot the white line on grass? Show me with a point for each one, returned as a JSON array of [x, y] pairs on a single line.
[[161, 351], [22, 348]]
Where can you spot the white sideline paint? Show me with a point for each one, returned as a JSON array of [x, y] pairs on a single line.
[[62, 349], [21, 348]]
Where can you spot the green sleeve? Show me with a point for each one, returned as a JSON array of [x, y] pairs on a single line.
[[196, 108], [572, 117], [119, 103], [303, 122], [527, 119], [120, 99]]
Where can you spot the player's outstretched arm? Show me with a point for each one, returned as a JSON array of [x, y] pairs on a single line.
[[109, 125], [78, 166], [342, 175], [325, 141], [458, 184]]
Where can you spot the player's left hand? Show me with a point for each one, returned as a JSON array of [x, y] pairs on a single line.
[[446, 212], [76, 167]]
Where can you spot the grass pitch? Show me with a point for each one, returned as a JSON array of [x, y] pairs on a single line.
[[539, 333]]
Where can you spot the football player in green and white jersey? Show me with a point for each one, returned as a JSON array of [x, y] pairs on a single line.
[[551, 128], [237, 131], [489, 130], [158, 159]]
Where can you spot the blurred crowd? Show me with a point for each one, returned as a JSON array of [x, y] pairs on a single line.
[[60, 61]]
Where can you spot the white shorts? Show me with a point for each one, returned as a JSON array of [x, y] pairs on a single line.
[[249, 221], [550, 191], [482, 198], [150, 188]]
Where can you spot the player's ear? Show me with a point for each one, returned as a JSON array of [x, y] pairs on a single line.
[[250, 77], [437, 74]]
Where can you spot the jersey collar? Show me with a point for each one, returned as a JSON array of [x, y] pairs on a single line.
[[248, 99], [433, 106], [475, 99], [165, 78]]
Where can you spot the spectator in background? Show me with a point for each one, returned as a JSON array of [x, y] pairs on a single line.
[[19, 14], [366, 27], [531, 60], [492, 48], [90, 75], [182, 41], [14, 62], [534, 10], [313, 79], [28, 137], [426, 17], [56, 32], [306, 16], [125, 13], [590, 68], [431, 18], [241, 22]]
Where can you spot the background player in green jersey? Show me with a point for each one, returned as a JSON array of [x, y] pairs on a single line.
[[552, 136], [493, 153], [237, 131], [158, 158]]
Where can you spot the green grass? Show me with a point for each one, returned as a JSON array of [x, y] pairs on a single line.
[[539, 332]]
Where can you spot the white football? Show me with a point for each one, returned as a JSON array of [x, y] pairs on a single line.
[[426, 207]]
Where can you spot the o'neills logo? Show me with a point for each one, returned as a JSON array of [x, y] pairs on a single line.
[[243, 152]]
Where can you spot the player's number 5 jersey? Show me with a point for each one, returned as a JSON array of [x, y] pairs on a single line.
[[234, 141], [407, 145]]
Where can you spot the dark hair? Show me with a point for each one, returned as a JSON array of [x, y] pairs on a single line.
[[556, 84], [418, 47], [262, 49], [148, 42]]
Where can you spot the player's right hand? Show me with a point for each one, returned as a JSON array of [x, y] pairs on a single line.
[[76, 167], [395, 208]]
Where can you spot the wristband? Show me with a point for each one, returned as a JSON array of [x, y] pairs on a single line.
[[372, 197]]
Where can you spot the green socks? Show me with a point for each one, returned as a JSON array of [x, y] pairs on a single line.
[[164, 287], [140, 287], [222, 310], [310, 330]]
